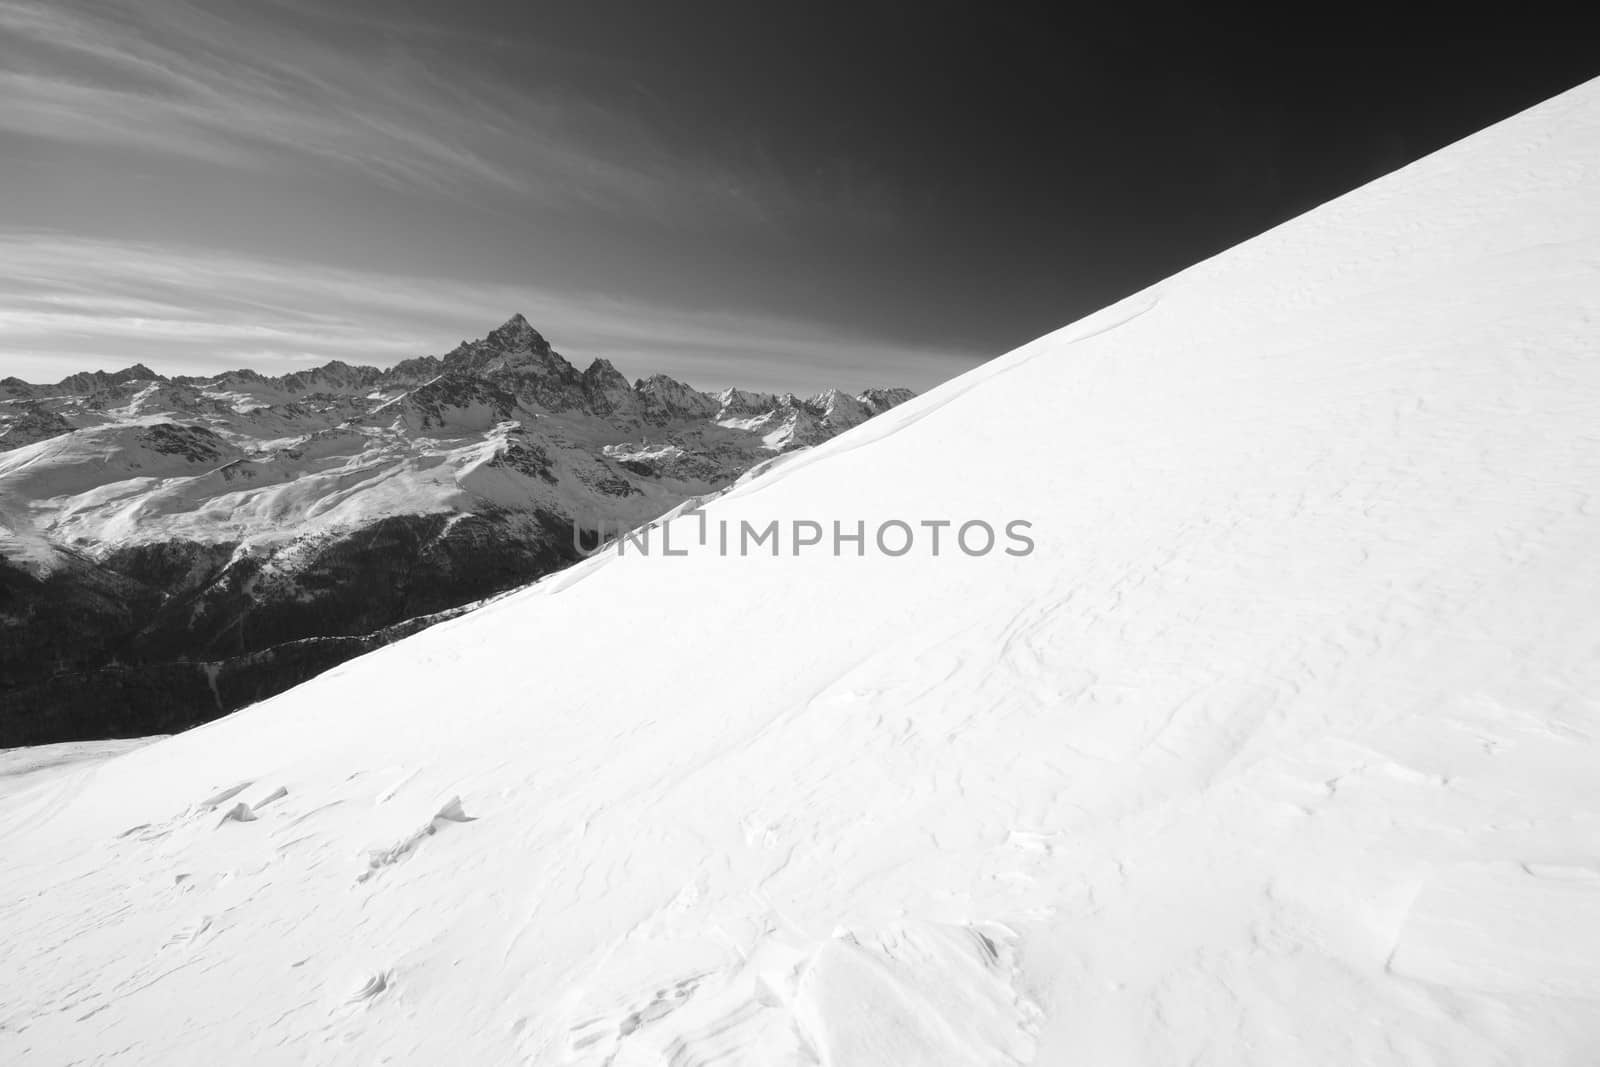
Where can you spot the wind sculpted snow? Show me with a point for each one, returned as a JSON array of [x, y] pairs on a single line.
[[1280, 748]]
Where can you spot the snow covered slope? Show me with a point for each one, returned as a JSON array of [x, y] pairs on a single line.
[[1281, 747]]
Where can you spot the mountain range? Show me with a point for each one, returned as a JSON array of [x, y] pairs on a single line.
[[173, 548]]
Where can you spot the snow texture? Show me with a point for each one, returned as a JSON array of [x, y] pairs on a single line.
[[1280, 748]]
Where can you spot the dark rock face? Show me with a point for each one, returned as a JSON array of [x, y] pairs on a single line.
[[33, 423], [603, 481], [164, 637], [880, 400], [434, 403], [665, 399], [334, 377], [525, 457], [194, 443], [606, 390], [100, 382]]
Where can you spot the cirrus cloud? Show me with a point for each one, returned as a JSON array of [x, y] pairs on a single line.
[[73, 302]]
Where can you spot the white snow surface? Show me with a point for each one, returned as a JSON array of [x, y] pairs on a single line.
[[1281, 748], [23, 768]]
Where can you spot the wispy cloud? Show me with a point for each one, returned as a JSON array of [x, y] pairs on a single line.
[[221, 84], [388, 168], [71, 302]]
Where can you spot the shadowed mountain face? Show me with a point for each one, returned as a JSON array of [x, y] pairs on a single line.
[[174, 548]]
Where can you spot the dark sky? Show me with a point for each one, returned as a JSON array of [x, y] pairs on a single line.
[[794, 196]]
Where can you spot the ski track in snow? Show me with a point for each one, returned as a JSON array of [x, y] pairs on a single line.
[[1281, 748]]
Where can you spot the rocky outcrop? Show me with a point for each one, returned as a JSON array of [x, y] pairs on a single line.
[[30, 423]]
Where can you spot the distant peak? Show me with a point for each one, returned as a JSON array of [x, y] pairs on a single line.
[[516, 335], [516, 327], [99, 379], [601, 369]]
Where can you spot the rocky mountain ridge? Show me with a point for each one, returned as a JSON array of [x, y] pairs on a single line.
[[172, 548]]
